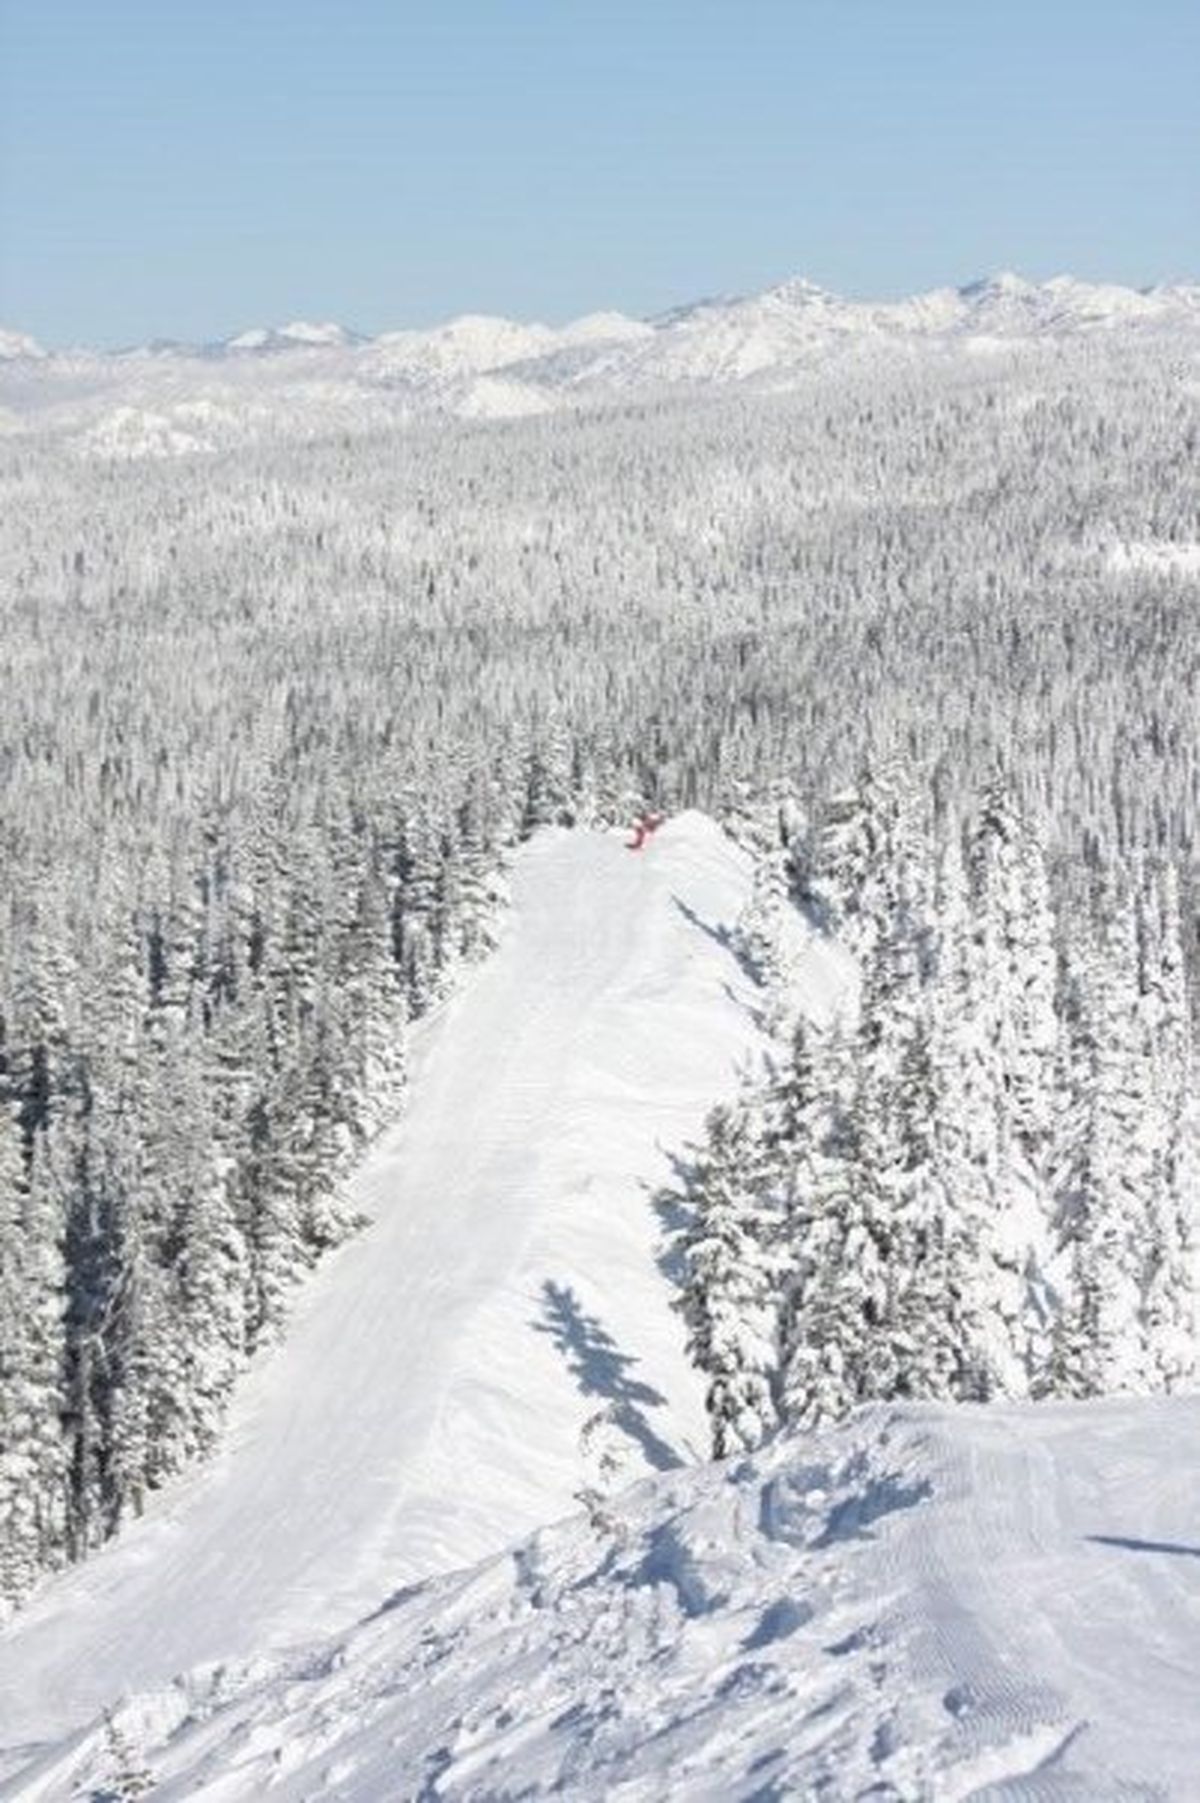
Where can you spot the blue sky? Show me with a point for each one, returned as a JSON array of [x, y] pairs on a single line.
[[175, 168]]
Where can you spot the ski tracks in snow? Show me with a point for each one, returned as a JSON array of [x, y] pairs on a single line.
[[922, 1604], [420, 1415], [910, 1607]]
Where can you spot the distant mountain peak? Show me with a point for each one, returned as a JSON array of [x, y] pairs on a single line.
[[18, 344], [304, 331], [709, 303], [798, 291], [297, 334], [1005, 282]]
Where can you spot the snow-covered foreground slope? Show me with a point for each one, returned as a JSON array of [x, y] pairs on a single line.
[[923, 1603], [428, 1405]]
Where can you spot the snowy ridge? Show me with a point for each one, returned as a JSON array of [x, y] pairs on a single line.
[[306, 376], [506, 1291], [924, 1602], [298, 334], [475, 344], [920, 1604]]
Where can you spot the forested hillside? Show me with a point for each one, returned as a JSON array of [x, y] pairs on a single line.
[[980, 1180], [271, 722]]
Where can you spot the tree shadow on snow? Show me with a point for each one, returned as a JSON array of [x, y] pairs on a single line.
[[674, 1212], [1144, 1546], [720, 935], [601, 1369]]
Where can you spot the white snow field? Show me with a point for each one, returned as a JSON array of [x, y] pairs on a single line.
[[428, 1404], [925, 1603]]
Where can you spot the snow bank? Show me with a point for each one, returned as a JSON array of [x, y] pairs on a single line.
[[922, 1603]]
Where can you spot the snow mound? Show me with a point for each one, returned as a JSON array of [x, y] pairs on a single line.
[[921, 1604]]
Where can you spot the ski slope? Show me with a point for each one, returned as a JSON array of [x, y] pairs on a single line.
[[923, 1604], [428, 1405]]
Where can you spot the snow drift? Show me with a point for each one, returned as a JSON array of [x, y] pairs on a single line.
[[922, 1603]]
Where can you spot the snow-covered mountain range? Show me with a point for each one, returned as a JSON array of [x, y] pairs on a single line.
[[307, 377]]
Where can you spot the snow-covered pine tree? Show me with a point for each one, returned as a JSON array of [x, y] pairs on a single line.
[[1016, 971], [729, 1295], [208, 1282], [866, 832], [761, 932], [992, 1291], [1099, 1341], [1169, 1270], [129, 1778], [824, 1325], [33, 1450], [549, 800], [414, 909], [806, 1138], [372, 1014], [892, 1081]]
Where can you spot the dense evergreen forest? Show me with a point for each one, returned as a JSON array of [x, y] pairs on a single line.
[[271, 724], [979, 1178]]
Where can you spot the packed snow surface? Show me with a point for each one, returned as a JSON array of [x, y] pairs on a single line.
[[923, 1603], [428, 1405]]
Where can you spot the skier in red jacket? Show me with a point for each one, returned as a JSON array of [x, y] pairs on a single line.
[[646, 824]]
